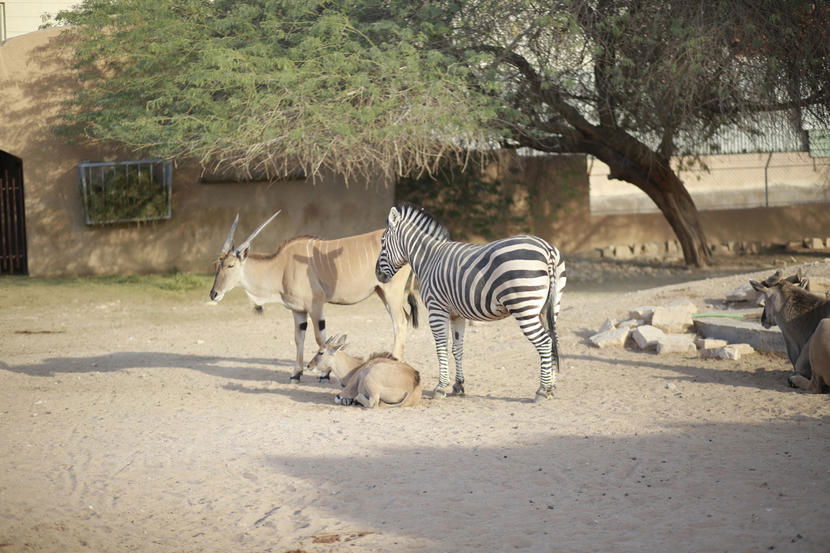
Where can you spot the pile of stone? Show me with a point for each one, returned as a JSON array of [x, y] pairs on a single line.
[[668, 328]]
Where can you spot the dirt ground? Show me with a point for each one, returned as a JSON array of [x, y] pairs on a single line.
[[137, 416]]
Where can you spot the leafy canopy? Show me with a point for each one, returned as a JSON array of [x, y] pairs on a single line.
[[269, 85]]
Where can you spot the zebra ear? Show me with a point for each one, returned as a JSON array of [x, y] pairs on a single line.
[[394, 217]]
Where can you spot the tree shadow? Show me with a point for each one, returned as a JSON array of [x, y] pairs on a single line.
[[252, 368], [718, 373], [690, 488]]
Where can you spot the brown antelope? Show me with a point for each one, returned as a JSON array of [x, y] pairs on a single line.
[[379, 382], [802, 317], [307, 272]]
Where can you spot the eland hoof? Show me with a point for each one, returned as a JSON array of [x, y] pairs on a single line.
[[326, 378], [295, 379]]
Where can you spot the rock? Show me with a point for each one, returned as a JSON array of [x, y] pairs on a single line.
[[609, 324], [744, 292], [629, 323], [709, 343], [743, 349], [676, 343], [725, 352], [642, 313], [740, 331], [814, 243], [613, 337], [675, 319], [683, 303], [647, 336], [623, 252]]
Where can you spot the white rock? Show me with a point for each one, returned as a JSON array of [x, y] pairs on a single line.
[[743, 349], [683, 303], [609, 324], [613, 337], [646, 336], [642, 313], [672, 319], [709, 343], [676, 343]]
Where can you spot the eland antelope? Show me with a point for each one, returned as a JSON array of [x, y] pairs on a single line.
[[378, 382], [307, 272], [804, 319]]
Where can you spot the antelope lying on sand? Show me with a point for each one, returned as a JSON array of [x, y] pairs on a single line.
[[803, 318], [306, 272], [380, 381]]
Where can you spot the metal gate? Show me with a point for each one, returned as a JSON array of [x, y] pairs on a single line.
[[12, 217]]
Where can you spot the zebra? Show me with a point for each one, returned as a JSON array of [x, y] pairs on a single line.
[[522, 276]]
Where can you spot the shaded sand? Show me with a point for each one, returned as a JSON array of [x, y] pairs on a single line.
[[134, 419]]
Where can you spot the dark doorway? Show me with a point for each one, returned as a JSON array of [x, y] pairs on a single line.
[[12, 217]]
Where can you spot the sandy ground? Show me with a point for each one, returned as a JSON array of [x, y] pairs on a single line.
[[139, 419]]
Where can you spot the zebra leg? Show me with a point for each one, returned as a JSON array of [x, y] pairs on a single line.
[[548, 350], [458, 325], [300, 326], [438, 323]]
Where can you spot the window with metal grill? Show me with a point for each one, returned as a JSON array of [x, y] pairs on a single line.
[[126, 191]]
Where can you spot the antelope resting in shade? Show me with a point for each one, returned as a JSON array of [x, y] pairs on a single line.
[[804, 319], [307, 272], [379, 382]]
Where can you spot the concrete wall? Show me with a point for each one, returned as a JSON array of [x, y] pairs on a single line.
[[553, 196], [34, 82], [724, 182], [25, 16]]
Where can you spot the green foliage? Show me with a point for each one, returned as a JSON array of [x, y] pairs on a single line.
[[125, 193], [268, 84], [468, 203]]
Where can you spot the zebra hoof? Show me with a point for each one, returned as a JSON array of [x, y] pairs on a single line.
[[458, 389], [439, 393], [543, 395]]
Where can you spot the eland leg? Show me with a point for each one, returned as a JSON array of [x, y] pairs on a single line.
[[393, 299], [318, 323], [458, 325], [438, 323], [300, 327]]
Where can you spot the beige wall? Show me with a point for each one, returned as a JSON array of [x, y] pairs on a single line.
[[727, 182], [553, 197], [33, 82], [25, 16]]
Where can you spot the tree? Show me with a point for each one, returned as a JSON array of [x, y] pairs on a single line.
[[266, 86], [636, 82], [398, 85]]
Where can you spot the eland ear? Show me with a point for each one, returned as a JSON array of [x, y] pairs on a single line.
[[758, 286], [341, 340], [394, 217]]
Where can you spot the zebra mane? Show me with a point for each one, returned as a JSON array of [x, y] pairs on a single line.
[[426, 221]]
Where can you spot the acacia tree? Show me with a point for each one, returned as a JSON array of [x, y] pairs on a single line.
[[397, 85], [267, 86]]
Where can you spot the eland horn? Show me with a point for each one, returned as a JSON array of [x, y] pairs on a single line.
[[247, 241], [226, 247]]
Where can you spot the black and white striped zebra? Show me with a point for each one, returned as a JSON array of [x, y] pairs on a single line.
[[522, 276]]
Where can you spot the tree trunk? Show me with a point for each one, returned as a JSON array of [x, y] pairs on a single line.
[[665, 188]]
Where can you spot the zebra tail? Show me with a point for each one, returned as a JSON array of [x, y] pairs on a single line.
[[557, 286]]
